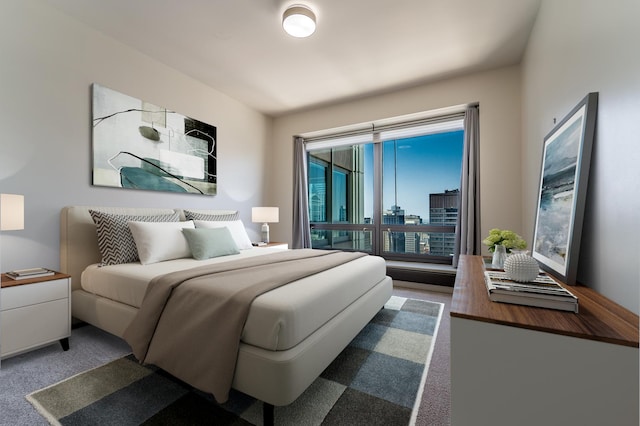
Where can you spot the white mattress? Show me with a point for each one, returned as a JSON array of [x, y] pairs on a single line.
[[279, 319]]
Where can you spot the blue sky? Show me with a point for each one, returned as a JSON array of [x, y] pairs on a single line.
[[425, 165]]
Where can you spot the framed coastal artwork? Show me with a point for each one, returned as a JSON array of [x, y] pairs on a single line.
[[562, 191], [139, 145]]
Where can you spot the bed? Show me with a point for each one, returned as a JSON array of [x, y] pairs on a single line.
[[292, 333]]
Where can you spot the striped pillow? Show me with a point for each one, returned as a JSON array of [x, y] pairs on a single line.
[[211, 217], [115, 240]]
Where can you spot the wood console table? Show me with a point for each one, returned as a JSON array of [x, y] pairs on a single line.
[[519, 365]]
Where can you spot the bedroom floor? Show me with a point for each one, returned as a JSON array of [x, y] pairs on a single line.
[[435, 407], [23, 374], [31, 371]]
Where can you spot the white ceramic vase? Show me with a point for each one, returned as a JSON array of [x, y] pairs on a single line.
[[521, 268]]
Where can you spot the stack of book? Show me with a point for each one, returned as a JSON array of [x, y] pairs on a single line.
[[543, 292], [23, 274]]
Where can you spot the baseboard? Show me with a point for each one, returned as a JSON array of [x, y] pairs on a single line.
[[423, 287], [438, 275]]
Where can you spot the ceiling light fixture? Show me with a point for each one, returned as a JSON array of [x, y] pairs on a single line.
[[299, 21]]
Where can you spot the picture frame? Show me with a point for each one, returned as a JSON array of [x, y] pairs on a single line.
[[564, 176], [139, 145]]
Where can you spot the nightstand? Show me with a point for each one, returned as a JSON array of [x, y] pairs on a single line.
[[273, 244], [34, 312]]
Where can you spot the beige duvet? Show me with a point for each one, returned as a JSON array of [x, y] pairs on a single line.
[[190, 321]]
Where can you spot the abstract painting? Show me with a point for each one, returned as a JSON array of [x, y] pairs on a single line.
[[562, 192], [139, 145]]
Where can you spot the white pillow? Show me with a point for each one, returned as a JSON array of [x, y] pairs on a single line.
[[115, 241], [236, 227], [160, 241]]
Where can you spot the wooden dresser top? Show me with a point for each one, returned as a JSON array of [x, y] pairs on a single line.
[[598, 319]]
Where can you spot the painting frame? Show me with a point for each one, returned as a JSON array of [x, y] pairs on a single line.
[[562, 190], [139, 145]]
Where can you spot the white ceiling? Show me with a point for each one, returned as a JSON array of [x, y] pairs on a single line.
[[360, 47]]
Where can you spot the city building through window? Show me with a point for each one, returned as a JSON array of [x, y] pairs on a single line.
[[393, 192]]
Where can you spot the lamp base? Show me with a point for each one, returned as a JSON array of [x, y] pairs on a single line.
[[265, 233]]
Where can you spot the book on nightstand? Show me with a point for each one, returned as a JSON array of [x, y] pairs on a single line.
[[543, 292], [23, 274]]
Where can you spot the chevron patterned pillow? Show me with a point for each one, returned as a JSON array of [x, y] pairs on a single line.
[[212, 217], [115, 240]]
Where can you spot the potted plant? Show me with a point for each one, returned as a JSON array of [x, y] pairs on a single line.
[[509, 239]]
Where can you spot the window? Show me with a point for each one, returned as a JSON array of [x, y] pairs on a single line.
[[392, 192], [317, 190]]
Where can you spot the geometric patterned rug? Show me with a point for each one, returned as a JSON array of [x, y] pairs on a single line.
[[376, 380]]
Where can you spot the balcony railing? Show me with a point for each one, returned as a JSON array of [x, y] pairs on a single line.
[[420, 243]]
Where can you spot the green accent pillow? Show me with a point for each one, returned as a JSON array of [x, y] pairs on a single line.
[[206, 243]]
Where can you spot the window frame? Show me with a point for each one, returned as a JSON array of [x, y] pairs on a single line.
[[399, 130]]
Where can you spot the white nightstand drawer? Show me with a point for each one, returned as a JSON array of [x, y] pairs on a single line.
[[31, 294], [32, 326]]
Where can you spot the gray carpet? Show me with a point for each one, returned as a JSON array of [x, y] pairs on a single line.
[[23, 374], [374, 381], [91, 347], [435, 407]]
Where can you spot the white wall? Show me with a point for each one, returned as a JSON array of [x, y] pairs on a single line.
[[47, 64], [498, 93], [576, 47]]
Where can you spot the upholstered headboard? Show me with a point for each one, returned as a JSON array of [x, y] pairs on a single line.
[[79, 241]]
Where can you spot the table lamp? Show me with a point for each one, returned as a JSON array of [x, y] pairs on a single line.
[[11, 212], [265, 215]]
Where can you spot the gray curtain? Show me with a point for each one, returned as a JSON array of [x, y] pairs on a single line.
[[468, 226], [301, 230]]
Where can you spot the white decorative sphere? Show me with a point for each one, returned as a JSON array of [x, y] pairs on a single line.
[[521, 268]]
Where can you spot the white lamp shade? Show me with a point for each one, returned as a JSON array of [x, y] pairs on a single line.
[[11, 212], [265, 214], [299, 21]]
